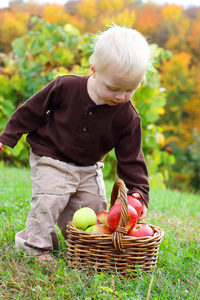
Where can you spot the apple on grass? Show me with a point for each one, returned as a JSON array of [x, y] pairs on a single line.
[[135, 202], [115, 213], [99, 229], [141, 230], [84, 217], [102, 217]]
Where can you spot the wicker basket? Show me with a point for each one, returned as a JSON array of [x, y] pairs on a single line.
[[116, 252]]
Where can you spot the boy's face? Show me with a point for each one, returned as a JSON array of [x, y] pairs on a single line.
[[110, 88]]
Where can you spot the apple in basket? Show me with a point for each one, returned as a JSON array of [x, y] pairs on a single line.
[[141, 230], [84, 217], [99, 229], [115, 213], [102, 217], [136, 203]]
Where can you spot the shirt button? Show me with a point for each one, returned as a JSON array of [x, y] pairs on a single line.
[[84, 129], [90, 113]]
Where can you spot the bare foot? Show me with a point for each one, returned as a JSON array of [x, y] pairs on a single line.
[[44, 257]]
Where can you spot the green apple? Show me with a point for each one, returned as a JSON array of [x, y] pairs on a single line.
[[84, 217]]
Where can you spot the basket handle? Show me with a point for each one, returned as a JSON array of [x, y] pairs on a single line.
[[121, 229]]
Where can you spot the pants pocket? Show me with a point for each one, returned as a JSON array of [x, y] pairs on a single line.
[[49, 177]]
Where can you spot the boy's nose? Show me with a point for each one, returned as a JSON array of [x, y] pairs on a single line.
[[120, 97]]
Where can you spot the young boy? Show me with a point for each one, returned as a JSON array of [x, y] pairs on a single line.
[[71, 124]]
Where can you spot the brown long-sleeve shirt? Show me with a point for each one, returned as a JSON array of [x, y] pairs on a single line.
[[64, 123]]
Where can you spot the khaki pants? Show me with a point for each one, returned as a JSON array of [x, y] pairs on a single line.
[[59, 189]]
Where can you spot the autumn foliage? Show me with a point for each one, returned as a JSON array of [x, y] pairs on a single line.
[[39, 42]]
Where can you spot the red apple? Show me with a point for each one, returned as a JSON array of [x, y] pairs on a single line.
[[135, 202], [115, 213], [99, 229], [141, 230], [102, 217]]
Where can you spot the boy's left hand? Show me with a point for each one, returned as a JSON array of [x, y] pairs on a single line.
[[144, 208]]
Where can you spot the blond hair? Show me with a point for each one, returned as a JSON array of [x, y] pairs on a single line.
[[123, 47]]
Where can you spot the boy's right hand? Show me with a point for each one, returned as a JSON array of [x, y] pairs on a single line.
[[1, 147]]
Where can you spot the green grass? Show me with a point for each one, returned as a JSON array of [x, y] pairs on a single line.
[[176, 276]]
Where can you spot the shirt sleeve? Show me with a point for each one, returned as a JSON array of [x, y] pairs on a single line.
[[131, 166], [30, 115]]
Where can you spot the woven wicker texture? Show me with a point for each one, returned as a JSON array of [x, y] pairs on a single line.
[[116, 252]]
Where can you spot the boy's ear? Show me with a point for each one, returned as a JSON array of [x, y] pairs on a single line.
[[92, 70]]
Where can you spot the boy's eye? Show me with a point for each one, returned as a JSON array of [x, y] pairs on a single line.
[[112, 88]]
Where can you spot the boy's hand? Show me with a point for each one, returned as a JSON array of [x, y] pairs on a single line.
[[144, 208], [1, 147]]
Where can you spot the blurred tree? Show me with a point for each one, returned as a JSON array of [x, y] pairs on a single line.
[[192, 161], [87, 9], [111, 5], [170, 16], [192, 12], [125, 17], [149, 20], [192, 111], [54, 13], [33, 8], [12, 26], [178, 78], [16, 5], [177, 39], [193, 39]]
